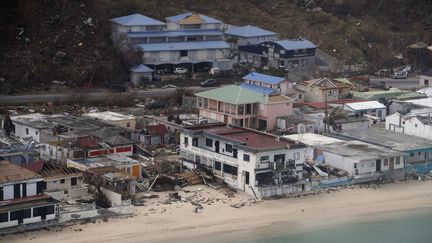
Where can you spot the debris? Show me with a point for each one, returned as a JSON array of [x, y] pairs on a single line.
[[60, 54], [105, 219]]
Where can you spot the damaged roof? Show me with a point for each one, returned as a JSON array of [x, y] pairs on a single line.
[[52, 171], [326, 83], [192, 18], [10, 172]]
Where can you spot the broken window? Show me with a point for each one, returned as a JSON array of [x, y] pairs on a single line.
[[209, 142], [385, 162], [74, 181], [217, 165], [246, 157], [265, 158], [62, 181], [186, 140], [297, 156], [230, 169], [228, 148]]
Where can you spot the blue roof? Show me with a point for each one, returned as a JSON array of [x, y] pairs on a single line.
[[295, 44], [141, 69], [254, 76], [136, 20], [258, 89], [180, 17], [248, 31], [174, 33], [190, 45]]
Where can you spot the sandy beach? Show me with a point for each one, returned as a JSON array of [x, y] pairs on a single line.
[[218, 221]]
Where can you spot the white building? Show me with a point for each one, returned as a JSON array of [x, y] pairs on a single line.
[[21, 197], [363, 159], [114, 118], [250, 35], [32, 126], [371, 108], [257, 163], [417, 122], [425, 79]]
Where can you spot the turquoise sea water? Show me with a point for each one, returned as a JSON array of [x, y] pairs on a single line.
[[408, 229]]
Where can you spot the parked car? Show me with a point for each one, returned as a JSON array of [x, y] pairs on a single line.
[[400, 75], [210, 83], [180, 70]]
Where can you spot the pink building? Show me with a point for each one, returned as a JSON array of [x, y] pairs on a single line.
[[244, 107]]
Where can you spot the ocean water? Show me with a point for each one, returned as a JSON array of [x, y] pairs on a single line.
[[415, 228]]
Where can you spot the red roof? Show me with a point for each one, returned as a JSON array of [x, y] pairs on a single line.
[[159, 129], [253, 139], [88, 142], [36, 166]]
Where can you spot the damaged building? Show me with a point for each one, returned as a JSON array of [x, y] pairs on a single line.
[[258, 163]]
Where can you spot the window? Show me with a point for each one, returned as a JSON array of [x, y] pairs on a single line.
[[186, 140], [415, 125], [246, 157], [209, 142], [228, 148], [419, 153], [385, 162], [411, 154], [355, 165], [265, 158], [36, 132], [279, 158], [230, 169], [296, 155], [398, 160], [62, 181], [74, 180], [184, 53], [198, 159], [4, 217], [195, 142], [282, 51], [50, 209], [14, 215], [128, 124], [27, 131]]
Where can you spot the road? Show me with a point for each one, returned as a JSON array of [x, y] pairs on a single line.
[[91, 96], [408, 83]]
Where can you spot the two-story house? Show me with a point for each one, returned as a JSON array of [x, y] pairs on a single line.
[[324, 90], [249, 35], [21, 197], [296, 54], [192, 20], [243, 107], [133, 23], [281, 85], [257, 163]]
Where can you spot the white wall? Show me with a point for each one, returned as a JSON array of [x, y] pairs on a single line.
[[412, 126], [423, 79], [21, 131]]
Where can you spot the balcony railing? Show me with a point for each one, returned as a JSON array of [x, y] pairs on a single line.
[[213, 155]]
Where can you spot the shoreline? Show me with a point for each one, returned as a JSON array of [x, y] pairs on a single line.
[[159, 221]]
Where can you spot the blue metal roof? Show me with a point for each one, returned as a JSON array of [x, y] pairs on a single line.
[[258, 89], [136, 20], [263, 78], [180, 17], [190, 45], [295, 44], [174, 33], [141, 69], [248, 31]]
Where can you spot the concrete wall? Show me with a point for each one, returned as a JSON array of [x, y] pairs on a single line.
[[114, 198], [412, 126], [425, 81], [56, 185], [24, 131]]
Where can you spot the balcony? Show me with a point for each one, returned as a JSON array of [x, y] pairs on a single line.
[[213, 155]]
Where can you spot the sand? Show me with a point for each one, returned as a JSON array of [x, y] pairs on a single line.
[[218, 221]]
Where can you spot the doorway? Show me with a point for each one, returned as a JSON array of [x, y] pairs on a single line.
[[378, 165], [247, 177], [216, 144]]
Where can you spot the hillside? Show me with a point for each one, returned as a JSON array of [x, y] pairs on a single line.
[[68, 41]]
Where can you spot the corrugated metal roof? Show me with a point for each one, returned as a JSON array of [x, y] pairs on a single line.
[[263, 78], [234, 95], [205, 19], [175, 33], [192, 45], [325, 83], [136, 20], [258, 89], [248, 31], [141, 69], [295, 44], [365, 105]]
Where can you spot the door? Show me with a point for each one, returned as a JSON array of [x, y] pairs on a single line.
[[225, 119], [216, 146], [378, 165], [235, 153], [247, 178], [391, 165]]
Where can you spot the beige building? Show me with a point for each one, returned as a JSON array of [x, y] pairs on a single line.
[[114, 118], [324, 89]]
